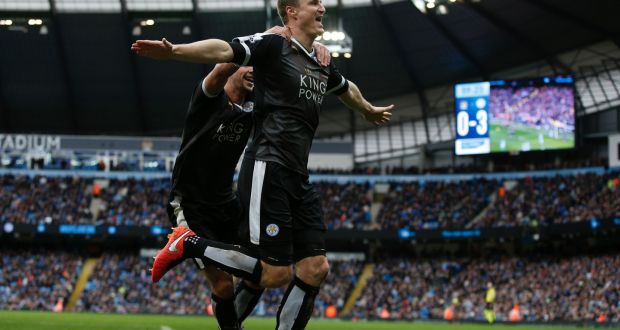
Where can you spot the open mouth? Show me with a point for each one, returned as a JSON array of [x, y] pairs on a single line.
[[249, 80], [319, 19]]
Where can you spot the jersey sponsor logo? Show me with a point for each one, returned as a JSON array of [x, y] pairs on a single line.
[[272, 229], [229, 132], [311, 88]]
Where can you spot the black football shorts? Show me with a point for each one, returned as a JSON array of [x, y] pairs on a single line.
[[283, 214]]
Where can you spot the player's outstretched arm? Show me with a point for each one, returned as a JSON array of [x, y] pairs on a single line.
[[354, 99], [210, 51]]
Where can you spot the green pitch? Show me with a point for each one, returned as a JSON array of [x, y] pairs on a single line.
[[68, 321], [517, 135]]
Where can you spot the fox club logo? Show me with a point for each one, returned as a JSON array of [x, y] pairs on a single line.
[[272, 229], [247, 106]]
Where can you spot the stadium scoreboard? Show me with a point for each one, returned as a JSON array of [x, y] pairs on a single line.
[[514, 116], [472, 118]]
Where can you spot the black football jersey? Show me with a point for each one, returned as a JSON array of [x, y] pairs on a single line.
[[215, 134], [289, 87]]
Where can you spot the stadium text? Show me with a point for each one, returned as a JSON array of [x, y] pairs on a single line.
[[29, 142]]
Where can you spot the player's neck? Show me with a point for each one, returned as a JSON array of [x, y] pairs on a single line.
[[303, 38]]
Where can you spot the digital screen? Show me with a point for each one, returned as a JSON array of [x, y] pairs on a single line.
[[515, 116]]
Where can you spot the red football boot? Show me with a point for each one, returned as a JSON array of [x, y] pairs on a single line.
[[172, 254]]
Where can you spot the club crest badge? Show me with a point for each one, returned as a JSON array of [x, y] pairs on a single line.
[[272, 229]]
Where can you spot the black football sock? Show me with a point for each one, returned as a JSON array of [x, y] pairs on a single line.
[[230, 258], [224, 310], [246, 299], [297, 305]]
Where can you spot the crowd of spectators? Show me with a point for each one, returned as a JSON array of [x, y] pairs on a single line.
[[582, 288], [511, 164], [67, 200], [346, 206], [554, 200], [135, 202], [432, 205], [547, 288], [37, 280], [341, 281], [416, 205], [47, 200], [121, 283]]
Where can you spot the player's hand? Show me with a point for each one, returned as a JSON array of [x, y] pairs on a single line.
[[282, 31], [322, 54], [155, 49], [379, 115]]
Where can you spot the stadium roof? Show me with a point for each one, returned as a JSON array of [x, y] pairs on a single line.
[[74, 73]]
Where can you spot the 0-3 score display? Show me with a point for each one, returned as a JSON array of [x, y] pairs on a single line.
[[472, 118]]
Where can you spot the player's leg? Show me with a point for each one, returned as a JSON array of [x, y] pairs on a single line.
[[219, 222], [309, 236], [266, 255], [268, 230], [233, 259], [247, 296], [175, 212], [222, 298], [311, 267], [298, 302], [225, 226], [176, 215], [266, 207]]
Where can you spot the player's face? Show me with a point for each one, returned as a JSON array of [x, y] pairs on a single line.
[[310, 16], [245, 78]]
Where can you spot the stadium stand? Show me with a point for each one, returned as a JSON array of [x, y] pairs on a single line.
[[435, 204], [543, 201], [346, 206], [36, 279], [121, 283], [471, 203], [546, 288]]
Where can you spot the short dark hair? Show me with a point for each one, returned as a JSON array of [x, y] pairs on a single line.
[[282, 4]]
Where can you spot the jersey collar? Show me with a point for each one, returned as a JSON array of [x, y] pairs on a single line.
[[247, 106], [312, 54]]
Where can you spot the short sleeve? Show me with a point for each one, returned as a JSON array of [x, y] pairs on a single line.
[[259, 49], [202, 102], [336, 83]]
